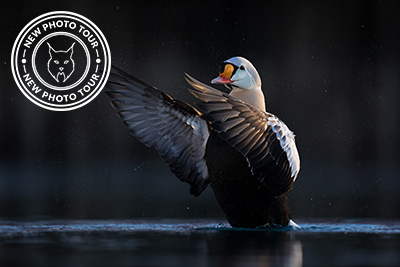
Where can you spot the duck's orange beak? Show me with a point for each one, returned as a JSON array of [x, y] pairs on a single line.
[[225, 76]]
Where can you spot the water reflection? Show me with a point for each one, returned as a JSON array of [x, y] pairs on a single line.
[[258, 248], [196, 243], [145, 244]]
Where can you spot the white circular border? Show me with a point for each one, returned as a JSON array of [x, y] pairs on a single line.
[[106, 51], [84, 100], [58, 88]]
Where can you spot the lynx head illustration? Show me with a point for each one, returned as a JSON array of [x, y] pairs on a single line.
[[61, 65]]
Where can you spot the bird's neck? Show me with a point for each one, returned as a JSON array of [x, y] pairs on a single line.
[[254, 97]]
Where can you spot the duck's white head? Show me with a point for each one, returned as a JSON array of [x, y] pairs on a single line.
[[239, 75], [238, 72]]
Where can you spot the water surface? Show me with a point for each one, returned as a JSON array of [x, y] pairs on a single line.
[[197, 243]]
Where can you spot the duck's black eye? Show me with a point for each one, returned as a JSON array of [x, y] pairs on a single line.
[[241, 67]]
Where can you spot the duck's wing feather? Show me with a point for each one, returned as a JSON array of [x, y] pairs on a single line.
[[262, 138], [172, 127]]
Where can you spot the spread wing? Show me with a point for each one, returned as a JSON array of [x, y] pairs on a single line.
[[172, 127], [265, 141]]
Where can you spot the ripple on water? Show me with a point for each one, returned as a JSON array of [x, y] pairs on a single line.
[[13, 228]]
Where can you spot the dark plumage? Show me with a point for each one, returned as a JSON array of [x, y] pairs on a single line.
[[247, 155], [159, 121]]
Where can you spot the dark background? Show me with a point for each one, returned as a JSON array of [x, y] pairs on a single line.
[[330, 70]]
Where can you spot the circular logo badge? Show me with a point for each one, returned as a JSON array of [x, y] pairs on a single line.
[[61, 61]]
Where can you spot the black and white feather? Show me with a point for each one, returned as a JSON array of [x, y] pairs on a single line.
[[172, 127], [265, 141]]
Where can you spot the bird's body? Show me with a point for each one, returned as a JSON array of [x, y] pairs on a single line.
[[245, 203], [228, 141]]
